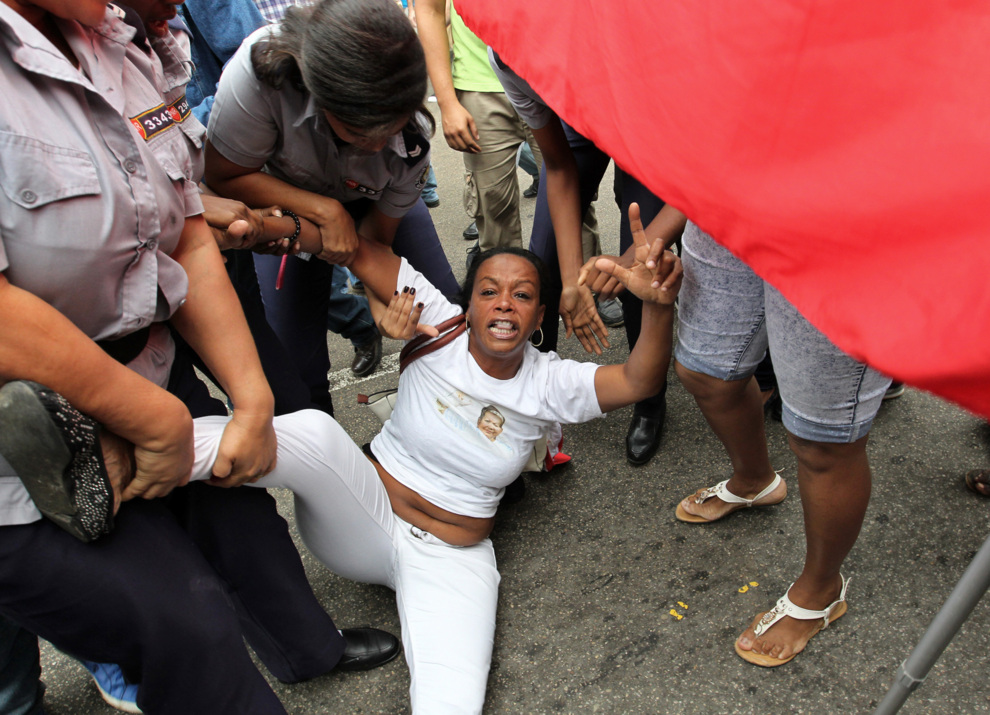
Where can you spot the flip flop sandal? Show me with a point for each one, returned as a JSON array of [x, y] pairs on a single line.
[[728, 497], [55, 450], [786, 607]]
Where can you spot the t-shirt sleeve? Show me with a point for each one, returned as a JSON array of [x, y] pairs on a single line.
[[570, 396], [436, 306], [242, 126], [528, 104]]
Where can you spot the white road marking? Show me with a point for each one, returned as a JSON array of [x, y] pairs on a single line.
[[340, 379]]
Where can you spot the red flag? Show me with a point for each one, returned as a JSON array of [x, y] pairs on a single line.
[[841, 149]]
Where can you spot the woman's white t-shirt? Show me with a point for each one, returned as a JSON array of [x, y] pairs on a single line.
[[432, 443]]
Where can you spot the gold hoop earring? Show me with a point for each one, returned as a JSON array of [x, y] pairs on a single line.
[[537, 344]]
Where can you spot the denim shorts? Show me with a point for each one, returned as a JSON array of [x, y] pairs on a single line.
[[728, 316]]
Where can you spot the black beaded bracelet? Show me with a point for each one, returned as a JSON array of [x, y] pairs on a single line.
[[295, 236]]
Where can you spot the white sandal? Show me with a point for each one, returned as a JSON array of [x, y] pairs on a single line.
[[786, 607], [720, 491]]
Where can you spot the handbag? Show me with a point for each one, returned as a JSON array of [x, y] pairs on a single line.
[[545, 455]]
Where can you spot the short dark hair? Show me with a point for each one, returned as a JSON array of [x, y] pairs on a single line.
[[360, 60], [464, 296]]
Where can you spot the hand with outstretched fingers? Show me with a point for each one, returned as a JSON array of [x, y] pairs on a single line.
[[580, 315], [659, 285], [401, 318], [603, 285], [658, 260]]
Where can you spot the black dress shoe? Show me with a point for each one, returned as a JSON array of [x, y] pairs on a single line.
[[643, 438], [367, 648], [367, 357], [533, 189], [471, 232]]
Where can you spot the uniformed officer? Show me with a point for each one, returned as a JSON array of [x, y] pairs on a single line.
[[323, 115], [102, 242]]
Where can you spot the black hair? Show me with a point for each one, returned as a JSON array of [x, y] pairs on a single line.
[[464, 296], [360, 60]]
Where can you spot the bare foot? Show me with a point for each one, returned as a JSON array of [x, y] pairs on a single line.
[[788, 636], [118, 457], [713, 508]]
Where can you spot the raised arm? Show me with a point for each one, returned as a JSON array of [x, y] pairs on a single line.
[[643, 373], [665, 227]]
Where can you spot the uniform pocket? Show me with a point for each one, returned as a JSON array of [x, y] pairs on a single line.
[[171, 166], [33, 173]]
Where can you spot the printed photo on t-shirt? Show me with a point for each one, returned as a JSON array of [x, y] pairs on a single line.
[[481, 425]]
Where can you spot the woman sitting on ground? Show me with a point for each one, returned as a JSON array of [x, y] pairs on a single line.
[[417, 515]]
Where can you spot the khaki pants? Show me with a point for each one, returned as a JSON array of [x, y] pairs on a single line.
[[491, 191]]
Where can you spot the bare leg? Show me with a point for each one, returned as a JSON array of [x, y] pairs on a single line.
[[734, 410], [835, 489]]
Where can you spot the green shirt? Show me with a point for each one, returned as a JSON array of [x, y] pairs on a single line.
[[470, 71]]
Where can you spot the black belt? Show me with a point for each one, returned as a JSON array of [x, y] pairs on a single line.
[[127, 347]]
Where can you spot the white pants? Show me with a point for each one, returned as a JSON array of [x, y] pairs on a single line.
[[446, 595]]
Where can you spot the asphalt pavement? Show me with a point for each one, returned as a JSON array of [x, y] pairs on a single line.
[[608, 604]]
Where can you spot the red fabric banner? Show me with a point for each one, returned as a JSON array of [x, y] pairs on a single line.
[[841, 149]]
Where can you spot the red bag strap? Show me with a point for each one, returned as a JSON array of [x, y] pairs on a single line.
[[423, 344]]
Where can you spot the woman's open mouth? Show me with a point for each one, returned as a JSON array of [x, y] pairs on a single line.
[[502, 329]]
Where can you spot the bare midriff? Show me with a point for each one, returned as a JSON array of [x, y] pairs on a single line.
[[455, 529]]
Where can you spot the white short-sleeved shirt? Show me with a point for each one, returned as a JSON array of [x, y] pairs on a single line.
[[433, 444], [254, 125], [528, 104], [96, 181]]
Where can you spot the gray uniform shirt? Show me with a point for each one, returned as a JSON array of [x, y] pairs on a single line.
[[254, 125], [96, 176]]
